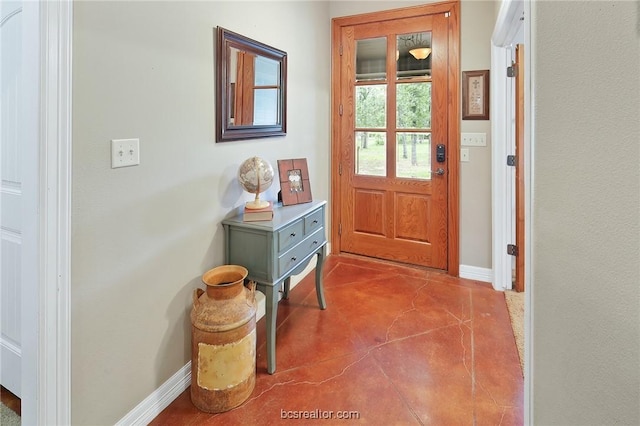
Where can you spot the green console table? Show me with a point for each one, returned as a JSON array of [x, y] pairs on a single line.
[[273, 251]]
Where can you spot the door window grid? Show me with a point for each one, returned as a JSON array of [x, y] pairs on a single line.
[[412, 90]]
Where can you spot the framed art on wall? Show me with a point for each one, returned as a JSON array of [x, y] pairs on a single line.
[[294, 181], [475, 95]]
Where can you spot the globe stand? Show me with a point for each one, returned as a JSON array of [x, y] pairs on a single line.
[[257, 203]]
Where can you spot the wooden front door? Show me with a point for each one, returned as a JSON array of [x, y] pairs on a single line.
[[394, 143]]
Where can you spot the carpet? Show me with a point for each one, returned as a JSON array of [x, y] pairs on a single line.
[[8, 417], [515, 306]]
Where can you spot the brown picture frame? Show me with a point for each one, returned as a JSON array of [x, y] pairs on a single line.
[[294, 181], [475, 95]]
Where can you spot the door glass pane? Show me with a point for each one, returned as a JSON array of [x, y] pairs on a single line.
[[371, 59], [413, 55], [413, 155], [371, 106], [371, 153], [413, 105]]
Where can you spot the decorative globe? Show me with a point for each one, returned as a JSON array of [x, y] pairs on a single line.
[[255, 175]]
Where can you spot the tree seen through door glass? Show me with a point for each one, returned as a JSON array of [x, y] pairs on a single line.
[[371, 113], [371, 106], [413, 102], [413, 155], [371, 153]]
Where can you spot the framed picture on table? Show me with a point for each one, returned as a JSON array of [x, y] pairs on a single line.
[[294, 181]]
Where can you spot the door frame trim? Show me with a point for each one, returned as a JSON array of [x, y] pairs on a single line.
[[453, 186], [46, 290]]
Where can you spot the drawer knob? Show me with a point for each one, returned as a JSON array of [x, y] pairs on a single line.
[[315, 241], [293, 234], [293, 259], [315, 221]]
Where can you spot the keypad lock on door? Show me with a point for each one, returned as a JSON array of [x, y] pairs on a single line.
[[440, 153]]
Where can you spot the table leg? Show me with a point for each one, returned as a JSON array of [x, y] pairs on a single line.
[[271, 314], [319, 286], [287, 287]]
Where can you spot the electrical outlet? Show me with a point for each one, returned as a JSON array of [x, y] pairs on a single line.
[[474, 139], [125, 152]]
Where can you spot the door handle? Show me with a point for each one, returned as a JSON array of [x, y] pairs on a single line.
[[439, 171]]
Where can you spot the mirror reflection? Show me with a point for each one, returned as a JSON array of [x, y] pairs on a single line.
[[255, 84], [251, 88]]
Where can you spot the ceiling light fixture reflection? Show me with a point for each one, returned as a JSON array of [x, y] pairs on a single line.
[[420, 52]]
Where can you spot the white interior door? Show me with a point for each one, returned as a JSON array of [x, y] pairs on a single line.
[[10, 196], [508, 32]]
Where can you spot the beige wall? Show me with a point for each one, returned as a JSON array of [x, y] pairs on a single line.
[[586, 231], [142, 236], [340, 8], [477, 22]]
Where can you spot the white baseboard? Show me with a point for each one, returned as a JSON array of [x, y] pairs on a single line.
[[160, 399], [476, 273], [11, 363]]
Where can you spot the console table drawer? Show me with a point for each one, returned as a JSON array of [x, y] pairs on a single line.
[[290, 236], [297, 254], [314, 241], [313, 221]]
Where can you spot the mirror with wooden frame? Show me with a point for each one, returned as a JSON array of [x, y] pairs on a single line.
[[251, 86]]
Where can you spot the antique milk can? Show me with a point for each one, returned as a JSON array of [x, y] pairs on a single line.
[[223, 340]]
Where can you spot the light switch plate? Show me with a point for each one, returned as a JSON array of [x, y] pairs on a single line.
[[125, 152], [464, 155], [474, 139]]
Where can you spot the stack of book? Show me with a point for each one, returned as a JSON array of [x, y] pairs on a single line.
[[255, 215]]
